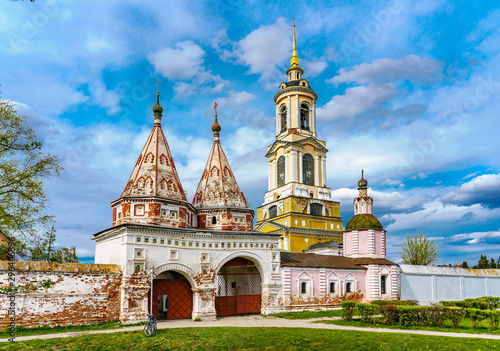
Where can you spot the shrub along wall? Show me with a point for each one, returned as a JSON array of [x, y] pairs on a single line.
[[406, 314], [82, 294]]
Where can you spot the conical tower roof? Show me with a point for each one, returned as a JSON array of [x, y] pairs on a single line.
[[218, 187], [154, 173]]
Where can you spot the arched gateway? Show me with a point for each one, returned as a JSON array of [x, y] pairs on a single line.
[[172, 296], [238, 288]]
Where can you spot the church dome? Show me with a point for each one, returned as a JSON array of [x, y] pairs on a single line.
[[362, 183], [363, 221]]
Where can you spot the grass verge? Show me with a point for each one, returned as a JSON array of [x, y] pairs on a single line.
[[464, 327], [308, 314], [226, 338], [65, 329]]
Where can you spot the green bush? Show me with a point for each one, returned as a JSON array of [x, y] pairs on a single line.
[[390, 314], [462, 304], [433, 316], [394, 302], [493, 302], [456, 315], [409, 315], [494, 318], [476, 316], [348, 308], [479, 303], [367, 311]]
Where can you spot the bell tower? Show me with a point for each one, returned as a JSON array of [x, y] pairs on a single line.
[[298, 197]]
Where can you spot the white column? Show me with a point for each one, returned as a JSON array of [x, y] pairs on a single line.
[[298, 111], [288, 113], [287, 165], [316, 171], [323, 170], [293, 154], [277, 120], [313, 122], [301, 179], [270, 174], [274, 174]]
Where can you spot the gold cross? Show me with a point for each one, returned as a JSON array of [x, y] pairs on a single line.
[[294, 21], [215, 108], [158, 85]]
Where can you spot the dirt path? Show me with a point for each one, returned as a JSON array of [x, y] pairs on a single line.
[[258, 321]]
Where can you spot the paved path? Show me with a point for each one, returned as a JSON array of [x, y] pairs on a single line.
[[257, 321]]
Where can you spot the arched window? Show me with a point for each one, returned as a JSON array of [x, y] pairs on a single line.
[[214, 220], [281, 171], [304, 116], [303, 287], [273, 211], [308, 169], [283, 118], [348, 287], [332, 288], [383, 284], [316, 209]]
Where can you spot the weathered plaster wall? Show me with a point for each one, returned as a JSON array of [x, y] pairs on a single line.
[[432, 284], [83, 294]]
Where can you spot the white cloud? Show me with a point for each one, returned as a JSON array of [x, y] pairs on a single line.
[[97, 43], [436, 213], [184, 61], [314, 68], [356, 101], [236, 99], [109, 99], [477, 237], [390, 181], [419, 176], [411, 67], [265, 49], [483, 189]]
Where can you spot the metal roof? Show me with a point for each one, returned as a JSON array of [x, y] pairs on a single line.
[[289, 259]]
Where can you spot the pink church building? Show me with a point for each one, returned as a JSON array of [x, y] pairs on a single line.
[[329, 272]]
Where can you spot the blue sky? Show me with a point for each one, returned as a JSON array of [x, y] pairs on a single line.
[[408, 91]]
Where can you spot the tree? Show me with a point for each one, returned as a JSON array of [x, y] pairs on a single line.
[[483, 263], [23, 169], [419, 250], [493, 264], [465, 264], [44, 250]]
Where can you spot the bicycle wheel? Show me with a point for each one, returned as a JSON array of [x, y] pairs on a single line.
[[149, 329]]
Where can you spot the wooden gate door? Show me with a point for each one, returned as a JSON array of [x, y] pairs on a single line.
[[238, 288], [179, 297]]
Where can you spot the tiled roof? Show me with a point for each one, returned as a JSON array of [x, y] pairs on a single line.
[[323, 244], [289, 259], [368, 260], [218, 187]]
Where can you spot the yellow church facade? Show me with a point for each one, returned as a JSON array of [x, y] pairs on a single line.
[[298, 203]]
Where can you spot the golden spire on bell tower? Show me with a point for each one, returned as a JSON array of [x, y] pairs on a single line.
[[294, 61]]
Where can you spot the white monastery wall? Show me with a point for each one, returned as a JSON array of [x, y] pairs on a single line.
[[428, 284]]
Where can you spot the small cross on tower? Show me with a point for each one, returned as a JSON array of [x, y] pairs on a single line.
[[215, 108]]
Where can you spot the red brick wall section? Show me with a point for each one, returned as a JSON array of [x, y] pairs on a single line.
[[83, 294]]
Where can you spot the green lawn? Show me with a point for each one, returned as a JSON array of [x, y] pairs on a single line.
[[308, 314], [464, 327], [72, 328], [255, 339]]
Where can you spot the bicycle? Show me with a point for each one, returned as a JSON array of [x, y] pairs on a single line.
[[150, 327]]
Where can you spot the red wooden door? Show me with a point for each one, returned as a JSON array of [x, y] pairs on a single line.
[[179, 297]]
